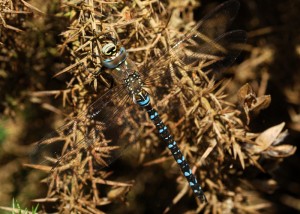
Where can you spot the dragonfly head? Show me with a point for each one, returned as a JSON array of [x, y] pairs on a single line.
[[109, 49], [112, 54]]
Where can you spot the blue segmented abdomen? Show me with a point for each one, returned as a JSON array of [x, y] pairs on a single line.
[[173, 147]]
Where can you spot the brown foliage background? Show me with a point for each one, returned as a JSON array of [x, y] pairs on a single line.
[[37, 44]]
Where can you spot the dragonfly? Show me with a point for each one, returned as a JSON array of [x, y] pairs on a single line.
[[107, 122]]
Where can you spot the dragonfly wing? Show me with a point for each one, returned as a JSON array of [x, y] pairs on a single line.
[[216, 21], [205, 33], [206, 46], [216, 54], [103, 129]]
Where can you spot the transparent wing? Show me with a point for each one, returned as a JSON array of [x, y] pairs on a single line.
[[205, 47], [204, 42], [215, 22], [103, 129], [216, 55]]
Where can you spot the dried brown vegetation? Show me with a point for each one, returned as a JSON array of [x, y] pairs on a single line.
[[235, 156]]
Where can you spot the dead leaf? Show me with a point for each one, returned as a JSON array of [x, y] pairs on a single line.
[[281, 151], [267, 138], [250, 103]]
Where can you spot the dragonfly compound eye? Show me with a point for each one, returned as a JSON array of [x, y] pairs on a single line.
[[109, 49], [112, 55]]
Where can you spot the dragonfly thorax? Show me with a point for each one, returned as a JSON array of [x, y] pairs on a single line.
[[134, 84]]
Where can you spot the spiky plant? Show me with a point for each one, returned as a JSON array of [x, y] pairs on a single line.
[[213, 132]]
